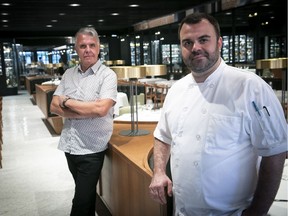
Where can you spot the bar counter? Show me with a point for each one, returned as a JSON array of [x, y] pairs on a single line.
[[126, 175], [44, 95]]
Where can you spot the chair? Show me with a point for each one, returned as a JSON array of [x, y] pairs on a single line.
[[161, 91], [156, 93], [122, 101], [127, 108], [149, 92]]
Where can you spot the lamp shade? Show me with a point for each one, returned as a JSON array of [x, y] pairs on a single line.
[[108, 62], [127, 72], [119, 62], [155, 70], [274, 63]]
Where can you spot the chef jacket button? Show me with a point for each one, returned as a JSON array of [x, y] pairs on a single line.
[[198, 137], [180, 133], [204, 110], [211, 85], [195, 163]]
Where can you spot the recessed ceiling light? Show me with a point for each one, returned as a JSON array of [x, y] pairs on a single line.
[[114, 14], [134, 5], [5, 21], [5, 26], [101, 20], [4, 14], [49, 26], [54, 21], [74, 5], [62, 14], [5, 4]]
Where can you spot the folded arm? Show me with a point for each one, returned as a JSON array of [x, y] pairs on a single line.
[[71, 108]]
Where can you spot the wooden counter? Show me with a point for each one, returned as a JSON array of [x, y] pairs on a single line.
[[126, 175], [43, 100], [31, 81]]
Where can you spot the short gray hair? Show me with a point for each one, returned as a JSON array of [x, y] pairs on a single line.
[[87, 31]]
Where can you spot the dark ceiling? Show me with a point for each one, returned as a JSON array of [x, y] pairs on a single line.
[[35, 19], [57, 18]]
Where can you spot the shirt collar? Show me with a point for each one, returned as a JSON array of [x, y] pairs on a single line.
[[212, 77], [217, 73], [92, 69]]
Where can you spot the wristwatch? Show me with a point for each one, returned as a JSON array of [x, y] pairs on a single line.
[[64, 102]]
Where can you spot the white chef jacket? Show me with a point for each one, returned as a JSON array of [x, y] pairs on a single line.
[[216, 135]]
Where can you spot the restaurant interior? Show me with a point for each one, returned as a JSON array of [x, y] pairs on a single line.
[[139, 42]]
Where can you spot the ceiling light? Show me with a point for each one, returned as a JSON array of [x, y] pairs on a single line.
[[74, 5], [5, 21], [134, 5], [4, 14], [6, 4], [54, 21], [101, 20], [49, 26], [253, 15], [114, 14], [62, 14]]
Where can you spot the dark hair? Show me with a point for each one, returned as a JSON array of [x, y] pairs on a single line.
[[195, 18]]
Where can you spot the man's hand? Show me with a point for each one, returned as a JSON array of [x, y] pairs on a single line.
[[159, 184]]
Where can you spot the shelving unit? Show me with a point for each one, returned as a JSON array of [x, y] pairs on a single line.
[[243, 51], [9, 73]]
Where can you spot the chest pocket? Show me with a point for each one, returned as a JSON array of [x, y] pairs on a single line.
[[223, 132]]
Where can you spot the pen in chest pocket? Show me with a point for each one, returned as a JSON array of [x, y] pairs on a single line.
[[256, 108]]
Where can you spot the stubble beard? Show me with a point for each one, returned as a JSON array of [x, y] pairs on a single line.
[[203, 65]]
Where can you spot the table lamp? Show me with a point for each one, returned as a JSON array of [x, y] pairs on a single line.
[[131, 73], [155, 70]]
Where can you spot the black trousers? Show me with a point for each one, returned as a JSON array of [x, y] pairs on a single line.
[[85, 170]]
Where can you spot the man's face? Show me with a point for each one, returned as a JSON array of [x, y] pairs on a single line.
[[200, 47], [87, 48]]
